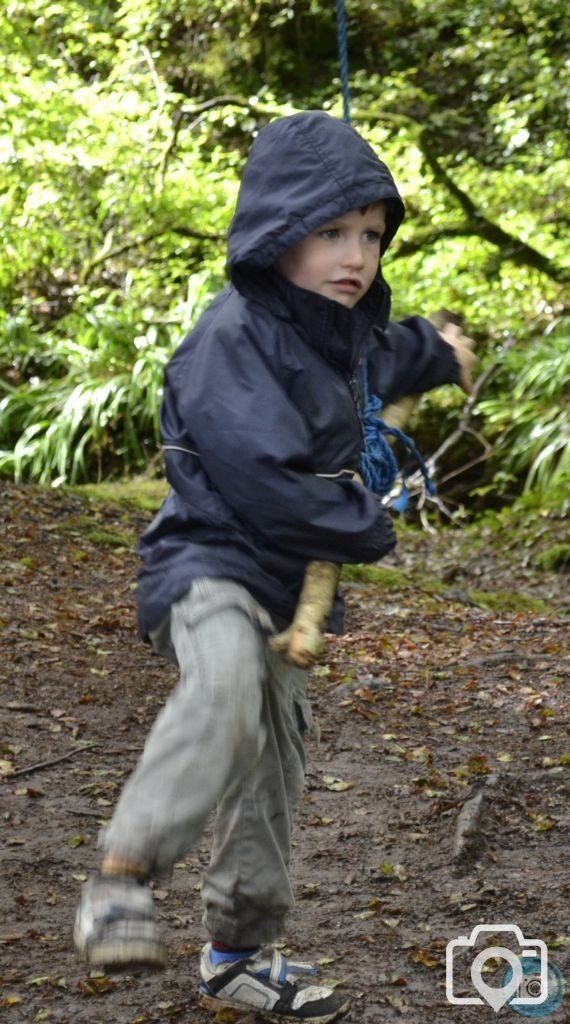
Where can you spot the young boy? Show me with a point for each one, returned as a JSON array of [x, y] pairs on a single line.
[[262, 439]]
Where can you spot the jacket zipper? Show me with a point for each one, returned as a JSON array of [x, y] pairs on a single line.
[[351, 382]]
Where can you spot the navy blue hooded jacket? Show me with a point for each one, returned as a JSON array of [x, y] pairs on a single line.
[[259, 418]]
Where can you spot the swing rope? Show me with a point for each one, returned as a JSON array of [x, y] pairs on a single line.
[[378, 466], [343, 58]]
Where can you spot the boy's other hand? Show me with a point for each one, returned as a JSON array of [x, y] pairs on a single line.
[[463, 346]]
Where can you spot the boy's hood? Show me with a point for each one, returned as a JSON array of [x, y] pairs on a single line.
[[303, 171]]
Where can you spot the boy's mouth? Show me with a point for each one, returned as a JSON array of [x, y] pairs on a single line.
[[348, 284]]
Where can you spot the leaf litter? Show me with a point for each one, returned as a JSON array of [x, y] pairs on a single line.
[[420, 703]]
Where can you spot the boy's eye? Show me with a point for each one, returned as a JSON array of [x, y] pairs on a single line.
[[329, 233], [373, 236]]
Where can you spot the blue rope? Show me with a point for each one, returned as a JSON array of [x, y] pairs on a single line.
[[378, 465], [343, 58]]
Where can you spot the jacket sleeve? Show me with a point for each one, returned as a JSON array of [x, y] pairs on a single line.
[[408, 358], [254, 446]]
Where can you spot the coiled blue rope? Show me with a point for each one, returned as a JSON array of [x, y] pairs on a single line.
[[378, 466]]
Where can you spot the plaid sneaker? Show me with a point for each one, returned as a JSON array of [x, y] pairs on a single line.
[[265, 983], [115, 924]]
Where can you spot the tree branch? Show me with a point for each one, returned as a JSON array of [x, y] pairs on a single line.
[[106, 253], [425, 238], [512, 248], [464, 425], [40, 765]]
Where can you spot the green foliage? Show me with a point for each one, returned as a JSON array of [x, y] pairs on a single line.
[[92, 404], [528, 420], [555, 558], [126, 124]]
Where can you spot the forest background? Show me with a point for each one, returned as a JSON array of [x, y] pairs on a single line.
[[125, 125]]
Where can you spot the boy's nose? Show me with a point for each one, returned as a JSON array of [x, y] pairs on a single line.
[[353, 255]]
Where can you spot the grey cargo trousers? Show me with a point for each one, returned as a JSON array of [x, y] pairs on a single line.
[[228, 739]]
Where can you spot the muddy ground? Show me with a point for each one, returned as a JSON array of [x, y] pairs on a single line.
[[436, 799]]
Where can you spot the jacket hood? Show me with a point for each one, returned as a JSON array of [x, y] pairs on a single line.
[[303, 171]]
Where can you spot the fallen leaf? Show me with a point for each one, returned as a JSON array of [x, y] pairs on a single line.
[[227, 1016], [424, 957], [309, 890], [76, 841], [542, 823], [420, 754], [338, 785], [396, 1001], [478, 765], [365, 693], [46, 979]]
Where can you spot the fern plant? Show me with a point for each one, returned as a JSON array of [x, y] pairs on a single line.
[[86, 404], [529, 421]]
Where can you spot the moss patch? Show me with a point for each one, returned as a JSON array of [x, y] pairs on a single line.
[[382, 577], [109, 538], [138, 492], [506, 601]]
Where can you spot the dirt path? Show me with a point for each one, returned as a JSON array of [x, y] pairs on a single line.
[[435, 713]]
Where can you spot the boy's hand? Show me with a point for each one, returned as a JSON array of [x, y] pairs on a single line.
[[463, 346]]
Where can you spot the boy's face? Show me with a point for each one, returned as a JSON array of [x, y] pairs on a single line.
[[340, 259]]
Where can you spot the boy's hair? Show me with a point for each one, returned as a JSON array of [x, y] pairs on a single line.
[[370, 206]]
